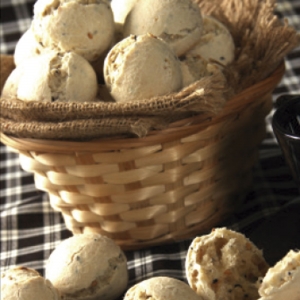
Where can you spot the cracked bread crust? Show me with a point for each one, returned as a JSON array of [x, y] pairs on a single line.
[[27, 47], [141, 67], [83, 26], [224, 265], [282, 281], [161, 288], [178, 22], [215, 43], [53, 76], [88, 267], [21, 283]]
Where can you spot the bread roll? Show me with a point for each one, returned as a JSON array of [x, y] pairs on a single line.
[[53, 76], [177, 22], [215, 43], [88, 267], [224, 265], [283, 280], [21, 283], [27, 47], [161, 288], [141, 67], [85, 27]]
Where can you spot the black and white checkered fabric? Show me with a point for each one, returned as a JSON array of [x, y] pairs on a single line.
[[30, 229]]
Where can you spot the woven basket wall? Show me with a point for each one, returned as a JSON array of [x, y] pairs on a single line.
[[169, 185]]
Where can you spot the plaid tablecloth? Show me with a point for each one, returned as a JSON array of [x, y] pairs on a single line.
[[270, 216]]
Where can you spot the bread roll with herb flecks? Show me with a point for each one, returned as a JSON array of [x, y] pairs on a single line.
[[225, 265], [161, 288], [83, 26], [88, 267], [21, 283], [215, 43], [141, 67], [177, 22], [283, 280], [53, 76]]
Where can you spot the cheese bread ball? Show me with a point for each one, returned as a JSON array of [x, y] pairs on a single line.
[[161, 288], [83, 26], [216, 42], [27, 47], [21, 283], [88, 267], [224, 265], [178, 22], [53, 76], [283, 280], [141, 67]]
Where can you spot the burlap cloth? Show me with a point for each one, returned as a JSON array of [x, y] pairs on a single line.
[[262, 41]]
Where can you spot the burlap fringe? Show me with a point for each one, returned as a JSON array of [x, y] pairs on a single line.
[[206, 95], [261, 40]]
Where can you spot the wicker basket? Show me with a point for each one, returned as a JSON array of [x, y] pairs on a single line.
[[169, 185]]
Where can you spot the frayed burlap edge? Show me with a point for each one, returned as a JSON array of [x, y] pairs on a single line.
[[83, 129], [261, 40], [206, 95]]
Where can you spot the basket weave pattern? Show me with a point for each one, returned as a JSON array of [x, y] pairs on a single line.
[[163, 187]]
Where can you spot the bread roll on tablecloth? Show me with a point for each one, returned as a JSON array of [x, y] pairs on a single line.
[[88, 267], [225, 265], [21, 283], [161, 288], [282, 282]]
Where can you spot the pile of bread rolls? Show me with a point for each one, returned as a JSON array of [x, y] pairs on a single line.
[[225, 265], [82, 267], [222, 265], [137, 49]]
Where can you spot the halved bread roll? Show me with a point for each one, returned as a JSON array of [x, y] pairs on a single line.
[[225, 265], [283, 280]]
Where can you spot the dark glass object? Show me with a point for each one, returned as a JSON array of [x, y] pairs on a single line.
[[286, 126]]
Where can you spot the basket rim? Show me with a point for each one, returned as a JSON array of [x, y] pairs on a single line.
[[176, 130]]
